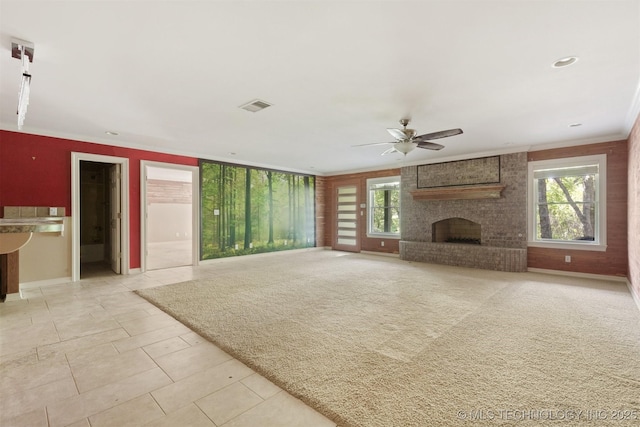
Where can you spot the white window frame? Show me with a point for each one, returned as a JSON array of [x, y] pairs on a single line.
[[600, 242], [371, 182]]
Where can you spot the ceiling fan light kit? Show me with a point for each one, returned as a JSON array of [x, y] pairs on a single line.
[[407, 139], [404, 147]]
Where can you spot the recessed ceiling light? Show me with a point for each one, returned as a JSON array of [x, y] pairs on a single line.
[[112, 133], [565, 62], [575, 125]]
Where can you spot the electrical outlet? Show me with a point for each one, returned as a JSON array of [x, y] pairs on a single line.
[[567, 258], [382, 243], [53, 211]]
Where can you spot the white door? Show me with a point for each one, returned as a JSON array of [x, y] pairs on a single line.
[[116, 217], [347, 236]]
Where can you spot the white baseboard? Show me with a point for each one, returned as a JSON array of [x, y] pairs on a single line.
[[576, 274], [47, 282], [135, 271], [635, 296]]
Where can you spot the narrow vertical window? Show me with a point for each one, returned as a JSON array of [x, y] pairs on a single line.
[[383, 207]]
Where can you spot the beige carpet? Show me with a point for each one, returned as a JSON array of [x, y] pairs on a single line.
[[374, 341]]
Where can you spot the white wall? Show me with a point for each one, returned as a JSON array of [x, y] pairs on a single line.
[[47, 256], [168, 222]]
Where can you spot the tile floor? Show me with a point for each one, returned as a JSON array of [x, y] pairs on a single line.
[[169, 254], [93, 353]]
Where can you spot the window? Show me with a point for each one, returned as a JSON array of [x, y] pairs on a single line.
[[383, 207], [567, 203]]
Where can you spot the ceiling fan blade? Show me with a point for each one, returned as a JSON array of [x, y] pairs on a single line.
[[397, 134], [389, 151], [372, 143], [430, 145], [441, 134]]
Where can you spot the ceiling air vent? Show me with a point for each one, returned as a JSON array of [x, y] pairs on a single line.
[[255, 106]]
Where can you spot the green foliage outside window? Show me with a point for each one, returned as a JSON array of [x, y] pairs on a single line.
[[384, 208], [566, 207], [249, 210]]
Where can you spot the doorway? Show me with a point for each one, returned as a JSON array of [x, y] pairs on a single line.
[[99, 219], [99, 215], [169, 215]]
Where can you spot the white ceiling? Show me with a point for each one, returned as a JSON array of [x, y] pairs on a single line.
[[169, 76]]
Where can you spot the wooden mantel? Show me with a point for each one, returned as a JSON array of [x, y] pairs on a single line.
[[457, 193]]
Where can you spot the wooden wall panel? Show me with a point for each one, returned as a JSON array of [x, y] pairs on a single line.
[[614, 260], [321, 184]]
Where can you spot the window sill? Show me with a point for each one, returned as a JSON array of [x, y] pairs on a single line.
[[383, 236], [569, 245]]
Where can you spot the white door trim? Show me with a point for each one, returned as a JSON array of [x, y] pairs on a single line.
[[76, 158], [195, 209]]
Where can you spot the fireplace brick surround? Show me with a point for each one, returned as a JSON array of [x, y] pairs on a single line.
[[503, 221]]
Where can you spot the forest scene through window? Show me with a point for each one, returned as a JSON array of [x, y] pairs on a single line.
[[384, 206], [566, 203], [248, 210]]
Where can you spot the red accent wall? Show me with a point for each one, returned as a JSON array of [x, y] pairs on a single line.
[[36, 171]]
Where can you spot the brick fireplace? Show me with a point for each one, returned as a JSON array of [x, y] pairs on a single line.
[[457, 230], [472, 225]]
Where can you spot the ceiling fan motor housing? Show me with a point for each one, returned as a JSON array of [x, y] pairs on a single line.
[[410, 133]]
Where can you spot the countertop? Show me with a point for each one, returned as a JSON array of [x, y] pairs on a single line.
[[31, 225]]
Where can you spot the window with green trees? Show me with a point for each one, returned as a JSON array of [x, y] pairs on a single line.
[[248, 210], [384, 206], [568, 201]]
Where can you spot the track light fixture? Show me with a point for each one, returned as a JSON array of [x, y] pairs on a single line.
[[23, 50]]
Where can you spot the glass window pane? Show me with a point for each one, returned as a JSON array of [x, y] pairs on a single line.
[[349, 207], [346, 199], [343, 224], [344, 241], [347, 216], [566, 207], [347, 190]]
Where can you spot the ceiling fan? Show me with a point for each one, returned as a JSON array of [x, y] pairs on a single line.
[[407, 139]]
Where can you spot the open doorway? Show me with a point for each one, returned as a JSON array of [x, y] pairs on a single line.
[[99, 215], [100, 252], [169, 215]]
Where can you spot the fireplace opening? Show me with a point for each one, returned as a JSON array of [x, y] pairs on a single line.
[[456, 230]]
